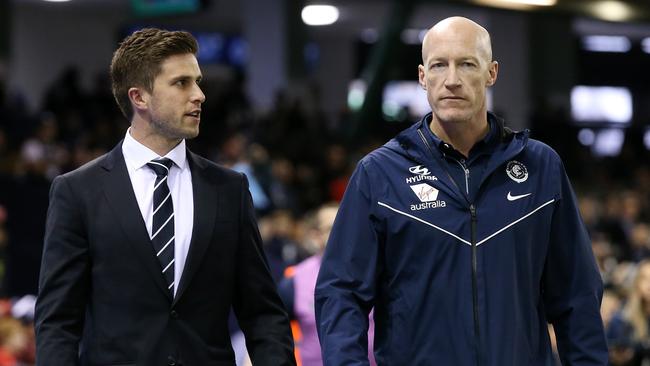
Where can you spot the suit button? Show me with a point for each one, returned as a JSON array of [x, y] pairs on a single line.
[[174, 314], [171, 361]]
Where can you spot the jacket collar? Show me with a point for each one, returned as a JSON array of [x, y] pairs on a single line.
[[417, 143]]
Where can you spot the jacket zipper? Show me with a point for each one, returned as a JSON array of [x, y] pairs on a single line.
[[464, 167], [477, 328], [472, 210]]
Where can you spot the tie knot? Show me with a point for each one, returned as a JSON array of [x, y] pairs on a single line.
[[160, 166]]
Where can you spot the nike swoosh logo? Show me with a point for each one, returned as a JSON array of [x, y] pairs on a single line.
[[510, 197]]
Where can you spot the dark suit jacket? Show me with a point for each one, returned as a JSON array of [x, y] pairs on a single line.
[[103, 299]]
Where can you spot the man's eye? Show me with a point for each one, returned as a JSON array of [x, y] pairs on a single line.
[[180, 82], [437, 65]]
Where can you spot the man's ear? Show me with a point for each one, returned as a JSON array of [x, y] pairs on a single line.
[[422, 77], [494, 71], [139, 98]]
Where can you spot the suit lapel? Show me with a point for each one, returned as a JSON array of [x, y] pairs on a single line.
[[121, 198], [205, 210]]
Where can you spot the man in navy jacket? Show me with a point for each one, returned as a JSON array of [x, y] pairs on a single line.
[[463, 235]]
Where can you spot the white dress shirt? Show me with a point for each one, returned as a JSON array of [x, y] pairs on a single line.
[[179, 180]]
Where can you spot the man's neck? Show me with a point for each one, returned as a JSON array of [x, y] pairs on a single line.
[[154, 141], [461, 135]]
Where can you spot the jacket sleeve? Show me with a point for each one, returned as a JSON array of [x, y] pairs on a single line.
[[257, 305], [345, 289], [64, 280], [572, 288]]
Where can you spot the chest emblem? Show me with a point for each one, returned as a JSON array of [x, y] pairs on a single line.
[[517, 171], [419, 169], [425, 192], [421, 173], [428, 197]]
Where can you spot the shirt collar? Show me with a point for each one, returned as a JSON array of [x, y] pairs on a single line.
[[136, 155], [479, 147]]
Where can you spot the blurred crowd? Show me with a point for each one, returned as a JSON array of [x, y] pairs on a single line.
[[297, 161]]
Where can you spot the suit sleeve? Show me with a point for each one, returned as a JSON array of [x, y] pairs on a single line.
[[63, 282], [572, 287], [345, 289], [257, 305]]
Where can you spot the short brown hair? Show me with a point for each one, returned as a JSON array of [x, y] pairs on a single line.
[[138, 59]]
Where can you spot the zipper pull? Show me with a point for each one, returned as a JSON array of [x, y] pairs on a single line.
[[472, 211]]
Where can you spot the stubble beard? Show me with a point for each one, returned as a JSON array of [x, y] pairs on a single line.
[[168, 130]]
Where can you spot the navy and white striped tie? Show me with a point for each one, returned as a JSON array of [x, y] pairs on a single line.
[[162, 230]]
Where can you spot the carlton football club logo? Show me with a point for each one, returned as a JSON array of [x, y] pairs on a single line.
[[517, 171]]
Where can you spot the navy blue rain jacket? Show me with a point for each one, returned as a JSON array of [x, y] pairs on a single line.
[[455, 282]]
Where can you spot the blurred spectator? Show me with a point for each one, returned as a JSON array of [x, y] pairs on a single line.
[[16, 343], [337, 171], [640, 240], [6, 157], [234, 155], [297, 288], [610, 306], [280, 246], [42, 154], [282, 188], [65, 94], [26, 212], [604, 255], [628, 334]]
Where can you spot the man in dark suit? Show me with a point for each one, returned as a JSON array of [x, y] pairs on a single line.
[[148, 247]]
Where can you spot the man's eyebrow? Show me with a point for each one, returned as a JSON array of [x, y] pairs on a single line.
[[459, 58], [470, 58], [180, 77], [436, 59], [186, 77]]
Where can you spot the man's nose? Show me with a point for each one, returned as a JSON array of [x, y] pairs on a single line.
[[198, 95], [452, 80]]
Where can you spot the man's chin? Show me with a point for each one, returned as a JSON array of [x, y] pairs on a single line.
[[190, 134], [453, 117]]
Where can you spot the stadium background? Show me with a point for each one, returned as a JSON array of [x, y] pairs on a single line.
[[295, 106]]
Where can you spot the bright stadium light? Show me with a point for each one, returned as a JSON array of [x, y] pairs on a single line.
[[645, 45], [319, 14], [611, 10], [516, 4], [532, 2], [606, 43]]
